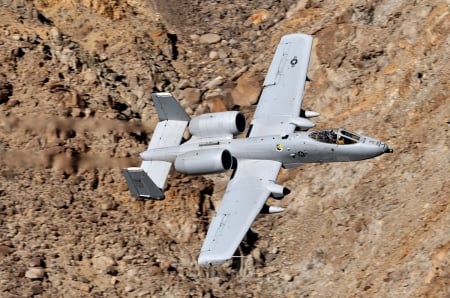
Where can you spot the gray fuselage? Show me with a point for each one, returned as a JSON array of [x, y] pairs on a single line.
[[291, 150]]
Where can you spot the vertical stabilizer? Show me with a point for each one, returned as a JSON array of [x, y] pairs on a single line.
[[168, 108]]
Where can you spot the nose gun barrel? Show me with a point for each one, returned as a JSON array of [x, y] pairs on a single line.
[[387, 149]]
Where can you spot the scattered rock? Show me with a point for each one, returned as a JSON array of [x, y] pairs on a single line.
[[84, 287], [5, 250], [260, 16], [36, 262], [37, 290], [210, 38], [90, 77], [216, 104], [35, 273], [108, 204], [191, 96], [213, 55], [55, 36], [214, 83], [194, 37], [287, 277], [155, 270], [103, 264], [129, 288]]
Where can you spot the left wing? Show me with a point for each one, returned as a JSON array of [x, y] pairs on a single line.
[[277, 113], [246, 193], [278, 110]]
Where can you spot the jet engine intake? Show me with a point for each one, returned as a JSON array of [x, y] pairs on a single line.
[[217, 124], [205, 161]]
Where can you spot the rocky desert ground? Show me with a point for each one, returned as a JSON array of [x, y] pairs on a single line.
[[75, 84]]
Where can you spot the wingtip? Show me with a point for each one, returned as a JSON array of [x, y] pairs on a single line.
[[297, 36], [206, 259]]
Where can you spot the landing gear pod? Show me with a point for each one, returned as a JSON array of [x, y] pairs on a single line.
[[277, 191]]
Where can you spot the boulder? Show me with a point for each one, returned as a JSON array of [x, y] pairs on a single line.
[[210, 38], [247, 90], [35, 273], [191, 95]]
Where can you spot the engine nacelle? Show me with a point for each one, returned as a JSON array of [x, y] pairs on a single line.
[[217, 124], [205, 161]]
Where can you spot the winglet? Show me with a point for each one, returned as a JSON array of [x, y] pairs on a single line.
[[140, 184]]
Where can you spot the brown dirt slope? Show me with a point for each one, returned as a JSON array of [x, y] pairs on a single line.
[[75, 82]]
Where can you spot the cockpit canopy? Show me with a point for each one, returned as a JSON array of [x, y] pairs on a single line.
[[335, 136]]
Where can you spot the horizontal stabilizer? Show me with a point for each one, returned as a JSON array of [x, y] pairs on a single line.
[[157, 171], [140, 184]]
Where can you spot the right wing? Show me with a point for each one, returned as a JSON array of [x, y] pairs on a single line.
[[243, 200]]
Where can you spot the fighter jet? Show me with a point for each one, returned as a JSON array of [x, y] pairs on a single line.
[[278, 136]]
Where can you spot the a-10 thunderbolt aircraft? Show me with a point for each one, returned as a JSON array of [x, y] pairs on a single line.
[[277, 137]]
